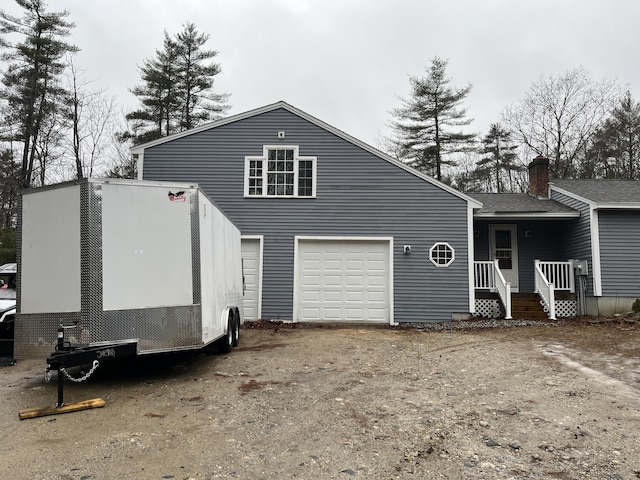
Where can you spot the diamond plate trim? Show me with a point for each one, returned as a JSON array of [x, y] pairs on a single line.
[[91, 259], [195, 246], [157, 329], [38, 333]]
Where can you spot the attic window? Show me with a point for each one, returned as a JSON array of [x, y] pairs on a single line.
[[280, 172], [442, 254]]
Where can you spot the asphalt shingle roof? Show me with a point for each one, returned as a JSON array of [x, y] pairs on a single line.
[[603, 191], [519, 203]]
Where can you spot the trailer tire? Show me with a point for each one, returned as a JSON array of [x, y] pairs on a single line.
[[236, 328], [226, 343]]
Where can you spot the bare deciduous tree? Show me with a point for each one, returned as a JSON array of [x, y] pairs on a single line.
[[558, 115], [92, 124]]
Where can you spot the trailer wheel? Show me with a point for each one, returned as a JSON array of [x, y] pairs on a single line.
[[226, 342], [236, 328]]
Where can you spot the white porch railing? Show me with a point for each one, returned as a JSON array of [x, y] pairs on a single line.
[[484, 276], [487, 276], [560, 274], [545, 289]]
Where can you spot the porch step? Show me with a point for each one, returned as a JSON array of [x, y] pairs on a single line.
[[527, 306]]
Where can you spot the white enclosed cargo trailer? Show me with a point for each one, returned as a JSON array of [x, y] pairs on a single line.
[[128, 267]]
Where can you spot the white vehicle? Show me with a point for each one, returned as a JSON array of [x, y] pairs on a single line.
[[124, 267], [8, 292], [7, 307]]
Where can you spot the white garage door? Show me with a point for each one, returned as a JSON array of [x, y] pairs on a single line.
[[251, 263], [344, 280]]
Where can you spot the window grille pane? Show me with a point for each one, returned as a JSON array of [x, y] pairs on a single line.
[[441, 254], [305, 178], [503, 238], [305, 188], [281, 166], [255, 177]]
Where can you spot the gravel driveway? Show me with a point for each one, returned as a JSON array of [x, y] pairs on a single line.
[[320, 402]]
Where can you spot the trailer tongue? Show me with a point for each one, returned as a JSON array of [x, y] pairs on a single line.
[[67, 356]]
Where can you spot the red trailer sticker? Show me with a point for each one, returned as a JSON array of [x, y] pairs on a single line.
[[177, 197]]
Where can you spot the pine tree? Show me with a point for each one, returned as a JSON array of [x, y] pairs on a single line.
[[423, 136], [176, 90], [498, 161], [31, 82], [9, 187], [614, 150], [198, 103], [157, 94]]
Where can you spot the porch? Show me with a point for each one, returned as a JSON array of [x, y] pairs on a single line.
[[554, 295]]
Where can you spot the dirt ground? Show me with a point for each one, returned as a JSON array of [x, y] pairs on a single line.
[[323, 402]]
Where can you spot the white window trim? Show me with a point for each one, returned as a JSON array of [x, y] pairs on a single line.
[[296, 161], [440, 265], [260, 239]]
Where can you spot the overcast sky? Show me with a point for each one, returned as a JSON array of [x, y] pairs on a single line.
[[347, 61]]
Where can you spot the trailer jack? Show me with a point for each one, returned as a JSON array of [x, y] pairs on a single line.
[[70, 355]]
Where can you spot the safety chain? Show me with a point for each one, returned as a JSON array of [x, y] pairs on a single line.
[[84, 377]]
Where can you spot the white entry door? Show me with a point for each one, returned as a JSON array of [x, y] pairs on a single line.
[[252, 272], [504, 247]]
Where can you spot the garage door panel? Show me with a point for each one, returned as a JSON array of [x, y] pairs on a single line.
[[311, 296], [379, 265], [355, 265], [331, 314], [332, 280], [378, 314], [311, 312], [334, 265], [355, 296], [312, 280], [377, 281], [311, 265], [352, 280], [376, 297], [355, 314]]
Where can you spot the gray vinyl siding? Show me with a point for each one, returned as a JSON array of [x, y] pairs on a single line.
[[620, 252], [575, 235], [358, 194], [543, 245]]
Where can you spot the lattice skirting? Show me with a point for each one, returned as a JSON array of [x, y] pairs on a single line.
[[564, 308], [489, 308], [492, 308]]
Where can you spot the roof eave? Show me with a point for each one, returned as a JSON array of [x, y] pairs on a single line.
[[526, 216], [617, 206]]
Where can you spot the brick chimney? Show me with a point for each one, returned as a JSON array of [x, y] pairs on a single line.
[[539, 177]]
